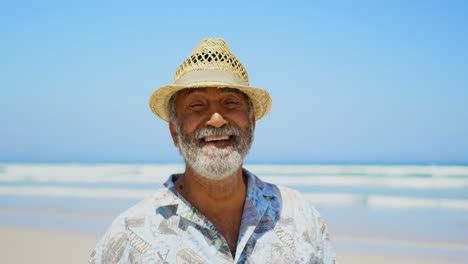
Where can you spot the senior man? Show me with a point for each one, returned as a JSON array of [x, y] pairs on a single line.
[[216, 211]]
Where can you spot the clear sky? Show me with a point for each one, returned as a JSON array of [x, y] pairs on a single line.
[[351, 81]]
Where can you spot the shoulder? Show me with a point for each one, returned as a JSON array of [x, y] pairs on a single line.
[[300, 211], [290, 201], [141, 209], [296, 208], [294, 202], [114, 244], [298, 216]]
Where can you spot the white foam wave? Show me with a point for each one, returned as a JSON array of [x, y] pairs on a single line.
[[75, 192], [328, 199], [138, 173], [364, 181], [90, 173], [381, 170], [383, 201]]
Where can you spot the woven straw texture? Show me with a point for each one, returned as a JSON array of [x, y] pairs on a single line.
[[211, 64], [212, 54]]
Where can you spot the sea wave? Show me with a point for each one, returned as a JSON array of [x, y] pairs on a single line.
[[385, 201], [346, 176], [372, 170], [328, 199], [362, 181]]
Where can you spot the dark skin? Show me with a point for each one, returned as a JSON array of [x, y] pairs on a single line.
[[221, 201]]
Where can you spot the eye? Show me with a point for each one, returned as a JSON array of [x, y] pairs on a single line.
[[232, 103], [196, 106]]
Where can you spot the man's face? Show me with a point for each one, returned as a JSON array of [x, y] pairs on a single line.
[[214, 130]]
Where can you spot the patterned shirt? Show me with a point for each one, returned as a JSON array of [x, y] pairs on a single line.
[[278, 226]]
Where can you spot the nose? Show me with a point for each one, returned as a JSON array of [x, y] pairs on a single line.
[[216, 120]]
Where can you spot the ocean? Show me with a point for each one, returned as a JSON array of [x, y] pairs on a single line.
[[410, 210]]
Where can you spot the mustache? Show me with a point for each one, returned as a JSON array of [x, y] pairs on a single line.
[[213, 131]]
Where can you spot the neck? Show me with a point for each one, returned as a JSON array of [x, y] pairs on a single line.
[[221, 201], [194, 187]]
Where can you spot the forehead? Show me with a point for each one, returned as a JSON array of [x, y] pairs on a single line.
[[189, 91]]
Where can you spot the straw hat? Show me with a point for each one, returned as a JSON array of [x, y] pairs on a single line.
[[211, 64]]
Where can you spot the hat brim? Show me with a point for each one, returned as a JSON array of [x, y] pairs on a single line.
[[159, 99]]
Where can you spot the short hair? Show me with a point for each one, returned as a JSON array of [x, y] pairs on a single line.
[[171, 106]]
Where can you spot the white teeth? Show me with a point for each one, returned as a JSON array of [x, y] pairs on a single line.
[[216, 137]]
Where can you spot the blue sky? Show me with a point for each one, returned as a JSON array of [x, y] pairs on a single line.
[[351, 81]]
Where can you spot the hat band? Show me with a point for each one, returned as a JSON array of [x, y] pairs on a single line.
[[218, 76]]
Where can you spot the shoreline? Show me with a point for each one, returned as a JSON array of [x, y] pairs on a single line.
[[52, 246]]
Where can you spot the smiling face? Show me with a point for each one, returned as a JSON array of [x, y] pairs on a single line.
[[213, 130]]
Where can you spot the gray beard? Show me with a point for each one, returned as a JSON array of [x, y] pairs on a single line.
[[209, 161]]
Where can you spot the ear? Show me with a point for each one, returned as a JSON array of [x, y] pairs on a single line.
[[173, 130], [253, 121]]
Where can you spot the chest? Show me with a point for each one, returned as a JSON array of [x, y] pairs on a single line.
[[194, 244], [228, 225]]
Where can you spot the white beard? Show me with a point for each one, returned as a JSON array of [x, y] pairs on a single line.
[[211, 162]]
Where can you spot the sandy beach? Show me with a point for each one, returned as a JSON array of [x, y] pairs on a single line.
[[24, 245]]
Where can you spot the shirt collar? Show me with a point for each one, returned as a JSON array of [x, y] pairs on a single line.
[[169, 202]]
